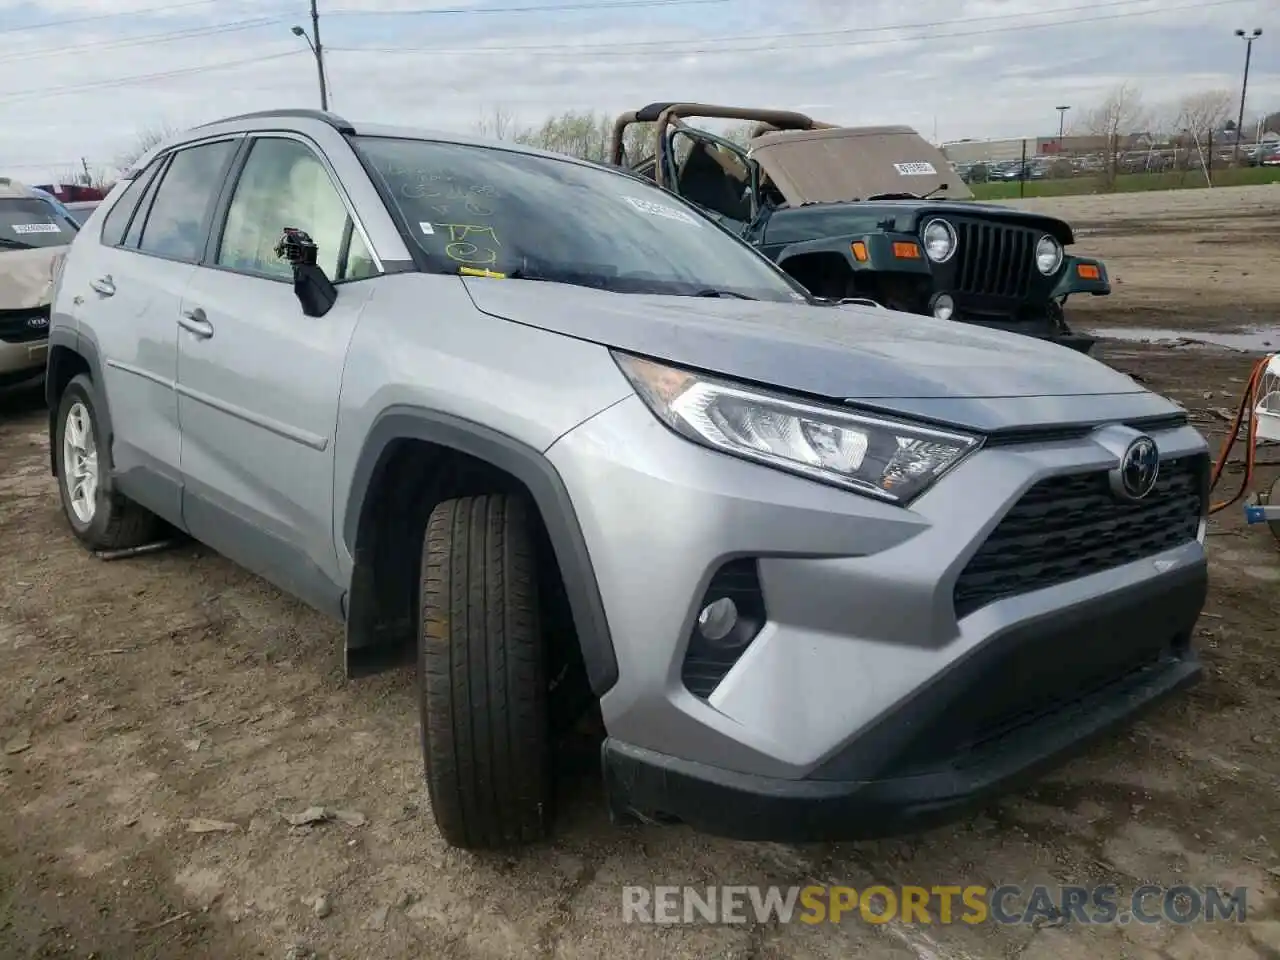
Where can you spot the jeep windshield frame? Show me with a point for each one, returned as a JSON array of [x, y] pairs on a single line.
[[841, 164], [489, 211]]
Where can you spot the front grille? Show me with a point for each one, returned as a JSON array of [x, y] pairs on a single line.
[[994, 259], [1070, 526], [16, 326]]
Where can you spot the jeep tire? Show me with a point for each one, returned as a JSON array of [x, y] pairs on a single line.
[[482, 687], [114, 522]]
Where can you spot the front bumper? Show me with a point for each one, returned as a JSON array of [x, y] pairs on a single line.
[[863, 687], [1147, 624]]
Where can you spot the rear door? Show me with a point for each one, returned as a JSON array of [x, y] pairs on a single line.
[[258, 380], [129, 296]]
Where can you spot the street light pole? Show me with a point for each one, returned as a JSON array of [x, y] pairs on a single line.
[[318, 50], [1062, 124], [1248, 39]]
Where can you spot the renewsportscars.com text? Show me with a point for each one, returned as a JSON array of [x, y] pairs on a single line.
[[942, 904]]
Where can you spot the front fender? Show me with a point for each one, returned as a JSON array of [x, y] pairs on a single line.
[[540, 478], [881, 255], [1082, 275]]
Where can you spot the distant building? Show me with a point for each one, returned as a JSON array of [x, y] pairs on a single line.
[[971, 151]]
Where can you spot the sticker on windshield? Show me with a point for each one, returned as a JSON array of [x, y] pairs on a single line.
[[661, 210], [36, 228], [426, 227], [918, 168]]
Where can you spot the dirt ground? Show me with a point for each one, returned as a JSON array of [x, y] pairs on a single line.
[[160, 716]]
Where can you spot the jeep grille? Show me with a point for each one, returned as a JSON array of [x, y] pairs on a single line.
[[994, 259], [1070, 526]]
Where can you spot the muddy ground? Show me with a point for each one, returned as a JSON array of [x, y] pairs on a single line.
[[159, 717]]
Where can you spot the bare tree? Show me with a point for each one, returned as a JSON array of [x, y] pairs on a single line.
[[500, 124], [147, 138], [1201, 115], [1120, 114]]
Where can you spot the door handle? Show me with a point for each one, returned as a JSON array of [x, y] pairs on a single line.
[[195, 322], [104, 285]]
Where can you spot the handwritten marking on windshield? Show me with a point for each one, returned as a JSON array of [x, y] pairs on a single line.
[[463, 250]]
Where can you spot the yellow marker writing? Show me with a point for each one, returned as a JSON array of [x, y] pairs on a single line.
[[474, 272]]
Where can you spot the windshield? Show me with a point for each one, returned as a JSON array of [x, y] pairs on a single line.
[[29, 222], [474, 209]]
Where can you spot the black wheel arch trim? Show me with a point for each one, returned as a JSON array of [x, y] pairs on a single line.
[[540, 477], [68, 339]]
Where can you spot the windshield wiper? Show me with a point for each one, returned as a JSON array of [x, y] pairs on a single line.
[[15, 244], [729, 294], [908, 196]]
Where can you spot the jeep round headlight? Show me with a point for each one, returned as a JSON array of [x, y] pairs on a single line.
[[939, 240], [1048, 255]]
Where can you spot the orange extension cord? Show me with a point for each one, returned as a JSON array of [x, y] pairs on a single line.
[[1247, 405]]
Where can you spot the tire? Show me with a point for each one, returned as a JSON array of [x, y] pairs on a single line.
[[107, 519], [482, 686]]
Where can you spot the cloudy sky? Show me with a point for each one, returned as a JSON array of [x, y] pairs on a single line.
[[83, 77]]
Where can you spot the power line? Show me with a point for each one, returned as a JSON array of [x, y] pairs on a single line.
[[98, 17], [190, 33], [772, 41], [21, 96], [539, 8]]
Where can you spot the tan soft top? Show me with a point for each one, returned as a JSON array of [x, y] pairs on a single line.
[[854, 163]]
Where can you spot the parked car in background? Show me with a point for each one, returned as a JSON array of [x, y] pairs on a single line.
[[81, 210], [34, 236], [824, 571]]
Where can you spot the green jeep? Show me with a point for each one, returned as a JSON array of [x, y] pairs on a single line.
[[858, 213]]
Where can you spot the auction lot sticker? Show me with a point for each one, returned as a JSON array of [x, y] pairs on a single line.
[[919, 168], [660, 210], [36, 228]]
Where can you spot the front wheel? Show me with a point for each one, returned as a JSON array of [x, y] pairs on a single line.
[[482, 683], [100, 516]]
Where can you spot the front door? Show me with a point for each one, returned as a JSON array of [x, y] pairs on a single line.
[[258, 380]]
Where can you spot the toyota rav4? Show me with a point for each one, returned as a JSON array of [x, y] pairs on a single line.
[[823, 570]]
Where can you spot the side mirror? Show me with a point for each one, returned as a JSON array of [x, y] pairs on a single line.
[[315, 292]]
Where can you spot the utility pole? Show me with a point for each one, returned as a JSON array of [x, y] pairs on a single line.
[[313, 41], [1248, 39]]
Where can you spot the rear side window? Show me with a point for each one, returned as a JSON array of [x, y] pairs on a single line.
[[117, 221], [179, 217]]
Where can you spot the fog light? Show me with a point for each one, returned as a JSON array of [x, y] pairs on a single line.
[[717, 619], [944, 308]]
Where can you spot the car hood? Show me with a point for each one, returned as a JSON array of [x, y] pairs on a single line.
[[897, 362], [861, 216], [26, 277]]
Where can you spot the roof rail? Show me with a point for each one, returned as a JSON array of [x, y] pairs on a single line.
[[324, 116]]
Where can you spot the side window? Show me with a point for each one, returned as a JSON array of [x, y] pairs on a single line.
[[175, 226], [284, 184], [117, 221], [134, 233]]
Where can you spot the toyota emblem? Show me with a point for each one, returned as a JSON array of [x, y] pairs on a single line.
[[1139, 468]]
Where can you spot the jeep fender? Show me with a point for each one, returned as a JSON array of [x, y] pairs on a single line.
[[528, 465], [1072, 280], [879, 247]]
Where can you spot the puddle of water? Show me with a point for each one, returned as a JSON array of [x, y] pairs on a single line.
[[1259, 340]]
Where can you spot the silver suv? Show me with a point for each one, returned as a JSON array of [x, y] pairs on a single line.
[[824, 570]]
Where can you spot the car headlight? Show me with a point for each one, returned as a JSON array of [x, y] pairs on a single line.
[[939, 240], [1048, 255], [882, 458]]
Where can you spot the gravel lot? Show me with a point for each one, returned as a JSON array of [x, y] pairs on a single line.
[[160, 716]]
